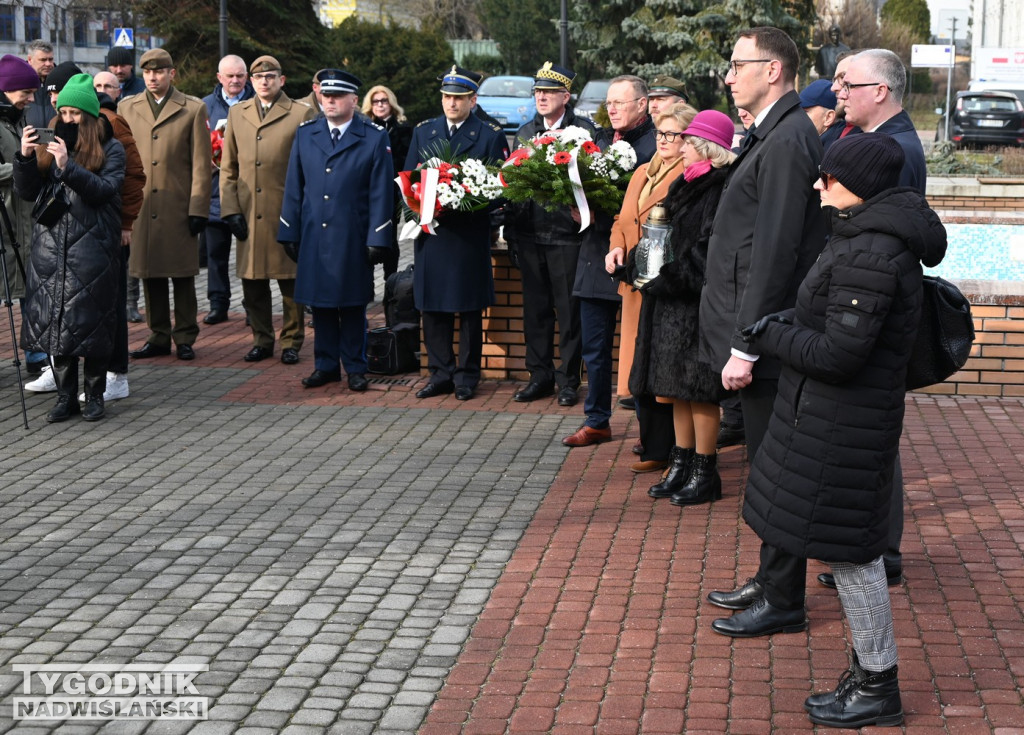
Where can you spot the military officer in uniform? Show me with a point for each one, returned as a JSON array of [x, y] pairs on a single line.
[[336, 223], [173, 136], [453, 268], [257, 144]]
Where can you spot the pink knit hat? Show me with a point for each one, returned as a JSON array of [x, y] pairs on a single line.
[[714, 126], [16, 74]]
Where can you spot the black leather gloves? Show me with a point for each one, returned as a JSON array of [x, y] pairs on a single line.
[[236, 223], [196, 225], [376, 255], [291, 249], [749, 334]]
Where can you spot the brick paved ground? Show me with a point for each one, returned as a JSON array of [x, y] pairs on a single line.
[[376, 564]]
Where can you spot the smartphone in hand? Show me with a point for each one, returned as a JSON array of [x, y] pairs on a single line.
[[44, 136]]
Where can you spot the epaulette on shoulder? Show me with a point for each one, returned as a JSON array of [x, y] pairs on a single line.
[[421, 124], [375, 125], [307, 122], [495, 128], [193, 98]]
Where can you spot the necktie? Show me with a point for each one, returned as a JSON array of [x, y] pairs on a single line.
[[748, 139], [451, 132], [335, 135]]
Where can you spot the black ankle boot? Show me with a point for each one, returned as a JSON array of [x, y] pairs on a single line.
[[65, 374], [678, 474], [848, 679], [95, 385], [864, 698], [704, 484]]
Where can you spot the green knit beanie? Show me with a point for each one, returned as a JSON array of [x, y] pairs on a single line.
[[79, 92]]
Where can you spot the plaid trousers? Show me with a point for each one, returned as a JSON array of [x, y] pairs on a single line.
[[864, 593]]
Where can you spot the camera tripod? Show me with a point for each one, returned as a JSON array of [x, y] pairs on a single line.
[[7, 233]]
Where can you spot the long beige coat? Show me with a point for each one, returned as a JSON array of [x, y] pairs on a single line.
[[252, 173], [176, 153]]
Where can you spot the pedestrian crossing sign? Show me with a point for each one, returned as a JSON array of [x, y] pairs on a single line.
[[124, 38]]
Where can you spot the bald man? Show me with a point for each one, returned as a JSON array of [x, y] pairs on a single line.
[[106, 83]]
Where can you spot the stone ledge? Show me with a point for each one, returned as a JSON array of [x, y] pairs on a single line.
[[950, 186]]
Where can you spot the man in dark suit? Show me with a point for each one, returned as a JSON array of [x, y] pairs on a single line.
[[546, 246], [453, 268], [336, 223], [767, 234]]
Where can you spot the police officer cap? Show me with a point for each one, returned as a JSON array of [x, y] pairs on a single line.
[[460, 81], [156, 58], [553, 76], [666, 86], [336, 81], [263, 64]]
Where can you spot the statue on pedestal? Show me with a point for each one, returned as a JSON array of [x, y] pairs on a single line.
[[828, 54]]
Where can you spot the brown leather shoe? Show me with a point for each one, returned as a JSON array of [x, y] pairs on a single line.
[[587, 436], [648, 465]]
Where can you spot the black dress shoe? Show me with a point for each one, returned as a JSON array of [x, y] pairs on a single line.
[[464, 393], [628, 403], [322, 377], [216, 316], [289, 356], [827, 579], [533, 391], [740, 598], [258, 353], [357, 382], [729, 436], [567, 396], [435, 389], [150, 350], [185, 352], [759, 619]]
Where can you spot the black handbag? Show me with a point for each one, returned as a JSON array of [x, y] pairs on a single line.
[[392, 351], [52, 203], [944, 337]]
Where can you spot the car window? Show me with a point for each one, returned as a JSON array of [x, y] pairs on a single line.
[[989, 104], [594, 91], [505, 87]]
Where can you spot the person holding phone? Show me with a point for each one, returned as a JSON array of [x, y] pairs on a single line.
[[73, 269]]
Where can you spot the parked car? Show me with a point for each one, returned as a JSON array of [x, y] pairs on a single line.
[[509, 100], [592, 97], [987, 118]]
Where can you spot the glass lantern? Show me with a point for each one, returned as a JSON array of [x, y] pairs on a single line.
[[653, 250]]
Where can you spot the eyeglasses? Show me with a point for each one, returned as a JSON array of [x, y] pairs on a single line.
[[381, 101], [668, 135], [619, 104], [846, 86], [735, 64], [269, 76], [825, 178]]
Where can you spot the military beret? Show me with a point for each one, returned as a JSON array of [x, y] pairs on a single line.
[[156, 58], [265, 63]]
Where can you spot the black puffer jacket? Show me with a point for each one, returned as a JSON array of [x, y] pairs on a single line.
[[74, 265], [820, 485], [665, 360]]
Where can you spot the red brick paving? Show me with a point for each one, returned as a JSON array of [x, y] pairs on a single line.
[[600, 624]]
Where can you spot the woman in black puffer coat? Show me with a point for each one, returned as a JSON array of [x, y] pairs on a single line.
[[73, 268], [820, 486], [665, 362]]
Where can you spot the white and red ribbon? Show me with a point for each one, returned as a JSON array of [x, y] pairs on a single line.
[[577, 190]]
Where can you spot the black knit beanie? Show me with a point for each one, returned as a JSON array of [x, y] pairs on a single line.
[[866, 164], [60, 75], [118, 56]]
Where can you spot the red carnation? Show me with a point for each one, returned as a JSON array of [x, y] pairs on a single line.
[[562, 157], [545, 140], [591, 147]]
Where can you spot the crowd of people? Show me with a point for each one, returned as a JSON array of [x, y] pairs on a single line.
[[787, 302]]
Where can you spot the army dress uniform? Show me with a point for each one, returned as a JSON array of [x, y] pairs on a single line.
[[257, 147]]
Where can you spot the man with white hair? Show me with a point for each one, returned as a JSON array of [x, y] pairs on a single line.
[[872, 95]]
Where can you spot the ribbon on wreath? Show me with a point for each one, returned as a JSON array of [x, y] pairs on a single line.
[[577, 190]]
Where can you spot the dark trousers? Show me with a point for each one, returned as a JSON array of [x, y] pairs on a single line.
[[158, 311], [339, 339], [657, 431], [732, 410], [390, 264], [893, 558], [439, 337], [217, 240], [259, 307], [598, 318], [119, 356], [548, 273]]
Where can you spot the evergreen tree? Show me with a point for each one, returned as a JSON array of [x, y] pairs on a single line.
[[404, 59], [526, 32], [288, 30], [912, 14]]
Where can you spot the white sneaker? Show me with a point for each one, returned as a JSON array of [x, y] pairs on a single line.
[[45, 383], [117, 387]]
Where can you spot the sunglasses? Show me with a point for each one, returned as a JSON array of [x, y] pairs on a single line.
[[825, 178]]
